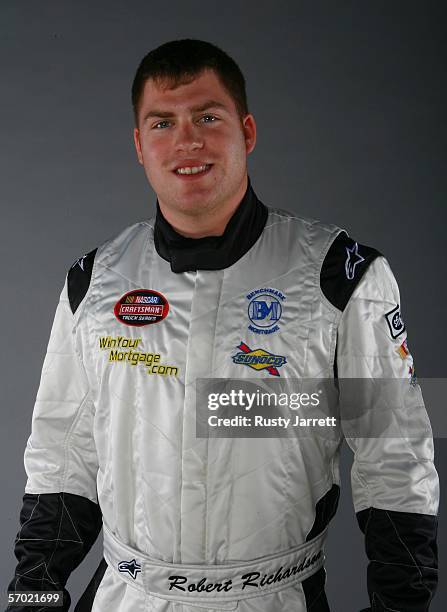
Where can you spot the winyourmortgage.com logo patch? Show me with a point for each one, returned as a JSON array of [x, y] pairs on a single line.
[[123, 350]]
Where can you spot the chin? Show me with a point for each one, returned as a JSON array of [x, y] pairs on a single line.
[[196, 196]]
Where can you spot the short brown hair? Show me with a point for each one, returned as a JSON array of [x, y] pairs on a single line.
[[181, 61]]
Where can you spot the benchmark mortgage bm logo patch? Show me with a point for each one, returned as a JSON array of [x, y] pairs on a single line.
[[265, 310], [141, 307]]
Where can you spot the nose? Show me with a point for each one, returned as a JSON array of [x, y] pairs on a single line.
[[188, 137]]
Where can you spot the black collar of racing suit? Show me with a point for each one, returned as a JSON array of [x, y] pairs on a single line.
[[212, 252]]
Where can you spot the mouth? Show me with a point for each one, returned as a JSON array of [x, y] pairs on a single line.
[[192, 172]]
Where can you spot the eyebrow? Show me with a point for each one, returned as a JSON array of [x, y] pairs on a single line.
[[195, 109]]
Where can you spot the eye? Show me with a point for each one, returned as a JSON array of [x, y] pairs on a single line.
[[208, 119], [160, 125]]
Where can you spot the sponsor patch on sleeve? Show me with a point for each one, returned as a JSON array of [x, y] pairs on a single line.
[[403, 351], [395, 322]]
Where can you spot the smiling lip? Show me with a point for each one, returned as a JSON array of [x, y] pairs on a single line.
[[192, 170]]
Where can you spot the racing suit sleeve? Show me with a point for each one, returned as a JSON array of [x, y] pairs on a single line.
[[394, 481], [60, 518]]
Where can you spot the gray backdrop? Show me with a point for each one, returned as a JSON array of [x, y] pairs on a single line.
[[349, 99]]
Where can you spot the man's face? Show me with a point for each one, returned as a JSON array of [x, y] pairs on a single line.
[[193, 144]]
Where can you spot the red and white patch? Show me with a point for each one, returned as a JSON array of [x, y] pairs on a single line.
[[403, 351], [141, 307]]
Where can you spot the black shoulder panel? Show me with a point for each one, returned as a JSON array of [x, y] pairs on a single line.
[[343, 267], [401, 547], [78, 279]]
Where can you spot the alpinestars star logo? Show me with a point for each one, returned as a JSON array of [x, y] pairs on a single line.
[[80, 262], [352, 260], [129, 567]]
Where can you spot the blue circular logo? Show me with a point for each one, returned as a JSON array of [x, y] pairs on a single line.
[[264, 310]]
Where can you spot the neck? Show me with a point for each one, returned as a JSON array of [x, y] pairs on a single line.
[[212, 252], [210, 222]]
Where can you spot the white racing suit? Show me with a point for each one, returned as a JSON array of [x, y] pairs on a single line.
[[187, 519]]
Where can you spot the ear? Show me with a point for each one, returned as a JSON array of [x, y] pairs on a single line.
[[136, 139], [249, 127]]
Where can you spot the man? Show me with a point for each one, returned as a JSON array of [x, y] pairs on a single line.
[[206, 524]]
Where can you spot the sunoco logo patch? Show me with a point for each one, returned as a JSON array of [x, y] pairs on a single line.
[[259, 359], [141, 307]]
